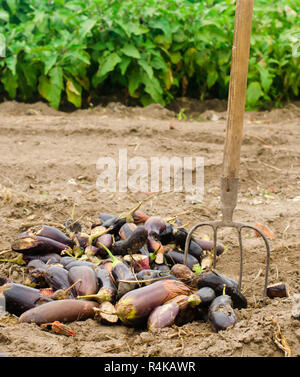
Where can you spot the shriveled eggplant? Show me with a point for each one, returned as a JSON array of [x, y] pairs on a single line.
[[37, 245], [20, 298], [217, 281], [52, 233], [139, 217], [88, 284], [132, 244], [105, 239], [184, 273], [46, 258], [76, 262], [116, 222], [163, 316], [221, 314], [135, 306], [60, 310], [106, 313]]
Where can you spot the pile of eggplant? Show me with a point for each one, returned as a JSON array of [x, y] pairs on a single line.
[[128, 268]]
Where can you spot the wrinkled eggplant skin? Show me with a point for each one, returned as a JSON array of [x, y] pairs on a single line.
[[167, 235], [20, 298], [39, 245], [155, 225], [221, 314], [160, 267], [132, 244]]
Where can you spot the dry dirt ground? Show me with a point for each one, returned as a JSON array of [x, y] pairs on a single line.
[[48, 164]]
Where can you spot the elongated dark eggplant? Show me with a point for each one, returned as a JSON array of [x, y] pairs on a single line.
[[180, 236], [60, 310], [57, 278], [46, 258], [217, 281], [37, 245], [20, 298], [155, 225], [66, 260], [88, 284], [132, 244], [207, 295], [221, 314], [209, 245], [177, 257], [147, 277], [106, 313], [135, 306], [36, 278], [126, 230], [107, 291], [188, 306], [52, 233]]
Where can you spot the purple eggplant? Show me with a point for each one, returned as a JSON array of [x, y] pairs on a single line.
[[209, 245], [221, 314], [180, 236], [155, 225], [20, 298], [52, 233], [106, 240], [37, 245], [207, 295], [88, 284], [46, 258], [57, 278], [107, 291], [177, 257], [132, 244]]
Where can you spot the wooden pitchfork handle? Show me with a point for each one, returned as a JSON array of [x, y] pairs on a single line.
[[236, 106]]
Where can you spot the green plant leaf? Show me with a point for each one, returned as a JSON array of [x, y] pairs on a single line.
[[109, 64], [49, 91], [73, 90], [211, 78], [10, 83], [254, 92], [131, 51]]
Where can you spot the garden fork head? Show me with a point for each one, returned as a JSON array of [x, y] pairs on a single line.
[[234, 132], [229, 190]]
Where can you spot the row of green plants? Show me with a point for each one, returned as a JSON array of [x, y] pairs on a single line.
[[151, 51]]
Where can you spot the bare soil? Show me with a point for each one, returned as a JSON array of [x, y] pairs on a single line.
[[48, 164]]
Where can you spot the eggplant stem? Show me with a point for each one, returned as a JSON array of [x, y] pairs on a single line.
[[73, 285], [92, 237], [114, 259], [224, 288], [128, 215], [18, 260]]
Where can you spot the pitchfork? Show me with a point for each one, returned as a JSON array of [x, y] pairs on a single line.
[[233, 139]]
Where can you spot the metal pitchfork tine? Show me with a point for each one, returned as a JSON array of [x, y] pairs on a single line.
[[233, 138]]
